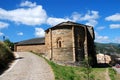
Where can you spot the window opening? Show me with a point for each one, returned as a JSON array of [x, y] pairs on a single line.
[[59, 43]]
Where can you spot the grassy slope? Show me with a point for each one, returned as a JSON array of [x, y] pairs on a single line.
[[77, 73], [109, 48], [113, 75], [6, 56]]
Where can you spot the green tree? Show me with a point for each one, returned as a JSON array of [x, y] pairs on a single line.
[[9, 44], [87, 70]]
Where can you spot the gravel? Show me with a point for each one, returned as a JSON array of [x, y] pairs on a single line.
[[28, 66]]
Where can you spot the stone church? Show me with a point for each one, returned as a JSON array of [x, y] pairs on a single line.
[[65, 42]]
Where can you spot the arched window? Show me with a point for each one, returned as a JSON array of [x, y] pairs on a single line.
[[59, 43]]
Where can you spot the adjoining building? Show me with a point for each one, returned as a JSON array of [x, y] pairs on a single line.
[[34, 45], [103, 58], [65, 42]]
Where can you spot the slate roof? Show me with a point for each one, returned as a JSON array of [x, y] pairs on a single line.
[[68, 23], [33, 41]]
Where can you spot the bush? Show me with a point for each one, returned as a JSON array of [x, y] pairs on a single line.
[[9, 44], [6, 56], [112, 73]]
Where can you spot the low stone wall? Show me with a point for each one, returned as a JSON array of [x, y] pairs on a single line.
[[63, 54]]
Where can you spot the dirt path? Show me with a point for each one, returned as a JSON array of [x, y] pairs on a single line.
[[28, 67], [107, 75], [117, 69]]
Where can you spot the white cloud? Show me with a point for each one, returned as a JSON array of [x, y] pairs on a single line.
[[28, 16], [91, 15], [101, 28], [53, 21], [35, 15], [20, 33], [91, 22], [114, 26], [116, 40], [1, 34], [28, 4], [76, 16], [3, 25], [39, 32], [115, 17], [101, 39]]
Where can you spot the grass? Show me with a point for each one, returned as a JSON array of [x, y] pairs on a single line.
[[6, 56], [65, 72], [77, 73], [113, 74], [117, 77]]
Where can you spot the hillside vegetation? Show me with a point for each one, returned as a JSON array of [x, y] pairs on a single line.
[[6, 56], [79, 73], [108, 48], [76, 73]]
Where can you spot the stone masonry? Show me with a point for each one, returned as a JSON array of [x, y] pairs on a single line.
[[67, 42]]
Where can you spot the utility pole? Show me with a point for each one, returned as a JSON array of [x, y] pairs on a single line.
[[3, 38]]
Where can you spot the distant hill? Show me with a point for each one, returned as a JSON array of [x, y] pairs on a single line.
[[108, 48]]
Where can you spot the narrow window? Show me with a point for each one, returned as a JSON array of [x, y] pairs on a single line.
[[59, 43]]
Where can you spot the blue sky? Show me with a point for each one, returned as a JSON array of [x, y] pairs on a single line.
[[25, 19]]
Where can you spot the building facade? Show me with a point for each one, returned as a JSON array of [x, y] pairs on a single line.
[[69, 42], [103, 58], [34, 45]]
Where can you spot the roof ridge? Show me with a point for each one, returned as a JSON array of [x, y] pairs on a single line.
[[69, 23], [32, 41]]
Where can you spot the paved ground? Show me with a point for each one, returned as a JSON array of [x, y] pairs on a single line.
[[117, 69], [28, 67]]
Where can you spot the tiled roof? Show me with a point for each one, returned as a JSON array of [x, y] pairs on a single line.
[[68, 23], [32, 41]]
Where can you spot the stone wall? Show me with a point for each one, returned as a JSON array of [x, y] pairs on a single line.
[[79, 43], [34, 48], [48, 44], [91, 46], [66, 43], [59, 44]]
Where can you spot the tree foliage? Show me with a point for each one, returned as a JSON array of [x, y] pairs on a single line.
[[6, 56], [9, 44], [87, 70]]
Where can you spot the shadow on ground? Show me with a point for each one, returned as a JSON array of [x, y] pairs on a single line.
[[102, 65], [3, 69]]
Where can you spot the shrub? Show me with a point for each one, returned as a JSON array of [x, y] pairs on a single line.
[[112, 73], [9, 44], [6, 56]]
